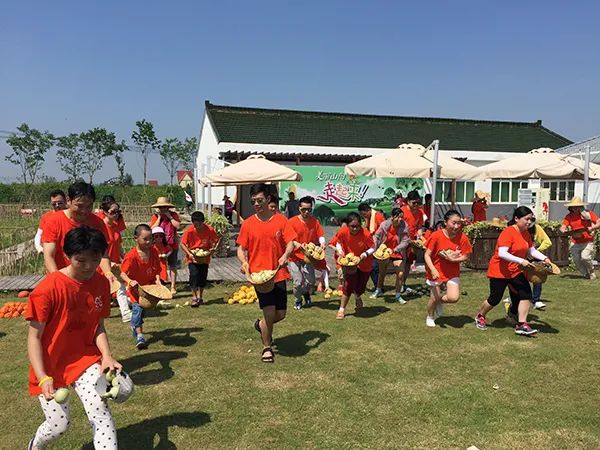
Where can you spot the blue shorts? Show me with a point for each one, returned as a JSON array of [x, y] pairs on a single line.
[[137, 315]]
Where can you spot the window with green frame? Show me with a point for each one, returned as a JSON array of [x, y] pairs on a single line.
[[507, 191], [560, 190], [465, 190]]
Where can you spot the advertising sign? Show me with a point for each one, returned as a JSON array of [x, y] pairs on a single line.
[[336, 194]]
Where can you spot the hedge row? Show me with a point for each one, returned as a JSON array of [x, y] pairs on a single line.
[[36, 194]]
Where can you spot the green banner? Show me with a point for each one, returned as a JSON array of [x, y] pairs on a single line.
[[336, 194]]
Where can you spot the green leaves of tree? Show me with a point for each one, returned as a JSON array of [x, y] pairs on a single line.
[[28, 151]]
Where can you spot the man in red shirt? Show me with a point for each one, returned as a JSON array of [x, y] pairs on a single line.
[[582, 242], [80, 200], [303, 229], [262, 246], [372, 220], [414, 216], [58, 201]]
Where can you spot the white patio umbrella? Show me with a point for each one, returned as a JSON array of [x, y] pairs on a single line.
[[541, 163], [254, 169], [411, 161]]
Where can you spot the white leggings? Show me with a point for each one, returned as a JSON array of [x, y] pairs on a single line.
[[98, 413]]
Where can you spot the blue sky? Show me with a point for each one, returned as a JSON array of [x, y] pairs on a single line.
[[71, 66]]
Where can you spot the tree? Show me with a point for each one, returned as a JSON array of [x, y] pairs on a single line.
[[69, 155], [118, 154], [146, 139], [28, 151], [171, 154], [97, 144], [189, 153]]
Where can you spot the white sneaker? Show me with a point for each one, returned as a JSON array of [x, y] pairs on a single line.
[[506, 300], [376, 293], [592, 276], [399, 299], [439, 310], [126, 317], [406, 290], [430, 322], [539, 305]]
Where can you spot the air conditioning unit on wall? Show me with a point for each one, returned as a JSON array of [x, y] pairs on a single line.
[[538, 200]]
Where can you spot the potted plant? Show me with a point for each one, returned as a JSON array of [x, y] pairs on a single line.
[[222, 228]]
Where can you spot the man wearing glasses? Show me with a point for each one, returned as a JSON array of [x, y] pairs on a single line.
[[303, 229], [414, 216], [262, 246], [58, 202]]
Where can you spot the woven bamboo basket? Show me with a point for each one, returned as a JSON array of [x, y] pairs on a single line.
[[348, 269], [538, 271], [151, 294], [263, 288]]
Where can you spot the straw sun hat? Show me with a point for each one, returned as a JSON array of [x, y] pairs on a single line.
[[163, 201], [481, 195], [575, 201]]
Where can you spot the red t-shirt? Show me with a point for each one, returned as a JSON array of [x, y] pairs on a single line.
[[518, 244], [114, 242], [575, 221], [265, 243], [379, 219], [357, 244], [391, 241], [437, 242], [204, 239], [414, 220], [44, 219], [479, 213], [144, 272], [58, 225], [299, 231], [120, 222], [162, 249], [71, 311]]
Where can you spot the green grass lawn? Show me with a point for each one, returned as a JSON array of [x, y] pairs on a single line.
[[377, 380]]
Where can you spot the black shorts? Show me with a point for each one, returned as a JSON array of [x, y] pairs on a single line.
[[519, 289], [277, 297], [198, 275], [173, 260]]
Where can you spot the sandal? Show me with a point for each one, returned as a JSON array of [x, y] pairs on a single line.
[[340, 315], [267, 358]]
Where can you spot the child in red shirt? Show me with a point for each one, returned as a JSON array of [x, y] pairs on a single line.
[[67, 341], [140, 267], [446, 249], [159, 242], [198, 236], [356, 239]]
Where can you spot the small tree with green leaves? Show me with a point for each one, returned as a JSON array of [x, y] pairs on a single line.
[[96, 145], [146, 139], [118, 155], [189, 153], [171, 153], [28, 151], [70, 156]]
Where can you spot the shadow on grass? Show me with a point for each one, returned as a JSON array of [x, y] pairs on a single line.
[[574, 276], [2, 334], [177, 337], [153, 376], [155, 312], [368, 312], [330, 304], [299, 344], [142, 435], [454, 321]]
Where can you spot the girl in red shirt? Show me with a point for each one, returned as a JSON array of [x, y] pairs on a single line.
[[111, 212], [356, 239], [67, 342], [446, 248], [506, 267], [159, 242], [140, 267]]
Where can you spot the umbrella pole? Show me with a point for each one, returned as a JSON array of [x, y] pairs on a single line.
[[586, 174], [209, 212], [436, 149]]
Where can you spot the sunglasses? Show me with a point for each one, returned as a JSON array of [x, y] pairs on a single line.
[[305, 209], [114, 211], [257, 201]]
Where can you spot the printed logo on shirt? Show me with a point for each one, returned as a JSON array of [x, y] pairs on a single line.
[[98, 303]]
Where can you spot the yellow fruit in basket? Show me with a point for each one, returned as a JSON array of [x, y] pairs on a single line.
[[230, 301], [328, 291], [327, 296]]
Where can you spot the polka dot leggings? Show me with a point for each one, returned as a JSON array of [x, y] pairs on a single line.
[[98, 413]]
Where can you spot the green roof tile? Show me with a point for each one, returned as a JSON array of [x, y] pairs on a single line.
[[284, 127]]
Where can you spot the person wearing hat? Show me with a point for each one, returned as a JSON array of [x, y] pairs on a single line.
[[479, 206], [583, 223], [229, 207], [170, 222]]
